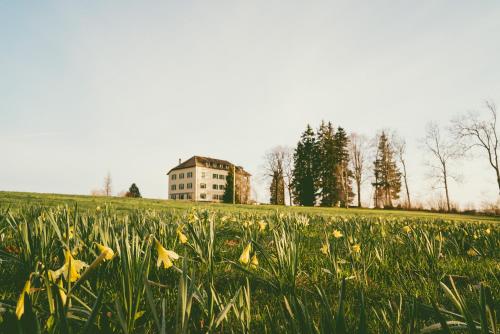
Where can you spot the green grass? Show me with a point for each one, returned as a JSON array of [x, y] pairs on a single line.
[[122, 204], [380, 272]]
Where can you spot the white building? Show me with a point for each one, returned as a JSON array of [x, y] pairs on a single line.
[[201, 179]]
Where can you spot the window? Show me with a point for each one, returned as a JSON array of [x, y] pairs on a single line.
[[221, 187], [172, 196], [203, 186], [181, 196], [174, 176], [214, 186], [189, 174], [173, 187], [189, 196], [222, 177], [216, 197], [181, 186], [181, 175], [203, 196], [215, 176], [189, 186], [203, 175]]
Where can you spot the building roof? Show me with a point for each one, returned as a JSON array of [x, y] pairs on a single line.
[[207, 162]]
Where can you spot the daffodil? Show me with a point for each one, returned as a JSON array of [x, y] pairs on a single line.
[[255, 262], [165, 256], [109, 254], [472, 252], [356, 248], [182, 237], [20, 301], [98, 208], [488, 231], [70, 266], [262, 226], [324, 249], [407, 229], [245, 256], [337, 234]]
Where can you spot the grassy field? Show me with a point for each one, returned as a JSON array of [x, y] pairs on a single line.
[[81, 264]]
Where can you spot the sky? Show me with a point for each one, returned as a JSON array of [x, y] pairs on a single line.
[[130, 87]]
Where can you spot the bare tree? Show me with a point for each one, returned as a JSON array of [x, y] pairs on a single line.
[[358, 149], [277, 164], [288, 171], [476, 132], [107, 187], [399, 144], [443, 153]]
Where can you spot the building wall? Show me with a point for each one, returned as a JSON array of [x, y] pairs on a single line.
[[201, 176], [178, 182]]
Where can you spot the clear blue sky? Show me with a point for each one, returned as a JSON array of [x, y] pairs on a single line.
[[131, 87]]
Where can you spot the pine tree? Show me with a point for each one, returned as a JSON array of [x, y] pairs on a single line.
[[277, 189], [344, 175], [387, 175], [228, 192], [133, 191], [305, 169], [327, 162]]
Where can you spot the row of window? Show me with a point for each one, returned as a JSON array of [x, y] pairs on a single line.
[[181, 196], [203, 175], [181, 175], [202, 186], [189, 196]]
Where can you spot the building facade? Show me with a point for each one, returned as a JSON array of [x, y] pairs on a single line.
[[204, 179]]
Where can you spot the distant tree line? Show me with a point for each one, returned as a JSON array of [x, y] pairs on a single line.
[[328, 167]]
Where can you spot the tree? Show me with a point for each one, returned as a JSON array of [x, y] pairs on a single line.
[[305, 169], [277, 189], [343, 177], [133, 191], [358, 148], [400, 151], [482, 133], [288, 171], [387, 175], [327, 164], [443, 153], [274, 170], [227, 197], [107, 188]]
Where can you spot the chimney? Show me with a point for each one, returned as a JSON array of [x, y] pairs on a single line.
[[180, 161]]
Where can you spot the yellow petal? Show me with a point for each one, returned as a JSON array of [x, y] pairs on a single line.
[[245, 256], [337, 234], [165, 256], [262, 225], [106, 250], [20, 301], [255, 262], [182, 237], [324, 249]]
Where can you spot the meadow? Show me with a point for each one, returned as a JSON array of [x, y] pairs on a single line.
[[82, 264]]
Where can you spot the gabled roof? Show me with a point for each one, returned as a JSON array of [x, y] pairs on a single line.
[[207, 162]]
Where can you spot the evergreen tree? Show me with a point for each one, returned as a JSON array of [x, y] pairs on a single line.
[[133, 191], [387, 175], [277, 189], [305, 169], [327, 162], [228, 192], [343, 194]]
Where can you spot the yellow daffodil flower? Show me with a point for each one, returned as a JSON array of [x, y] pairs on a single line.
[[165, 256], [71, 266], [472, 252], [407, 229], [324, 249], [245, 256], [182, 237], [255, 262], [337, 234], [356, 248], [488, 231], [98, 208], [106, 250], [262, 226], [20, 301]]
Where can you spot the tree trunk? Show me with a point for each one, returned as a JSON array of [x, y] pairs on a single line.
[[358, 186], [445, 176], [406, 185]]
